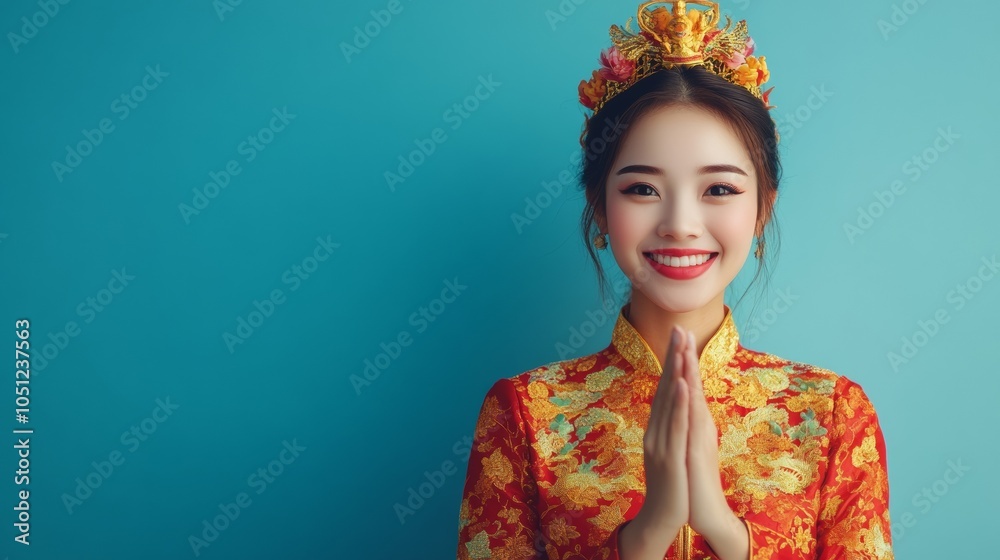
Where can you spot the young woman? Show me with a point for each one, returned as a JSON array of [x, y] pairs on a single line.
[[675, 440]]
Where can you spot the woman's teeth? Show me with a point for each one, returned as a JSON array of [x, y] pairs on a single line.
[[680, 262]]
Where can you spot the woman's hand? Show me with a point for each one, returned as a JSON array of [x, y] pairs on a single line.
[[681, 460], [665, 509], [710, 514]]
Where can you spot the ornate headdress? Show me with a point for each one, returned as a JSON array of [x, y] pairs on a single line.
[[671, 38]]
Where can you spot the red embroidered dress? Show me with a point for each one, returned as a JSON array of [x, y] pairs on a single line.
[[556, 468]]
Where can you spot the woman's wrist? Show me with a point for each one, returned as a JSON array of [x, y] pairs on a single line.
[[643, 537], [729, 540]]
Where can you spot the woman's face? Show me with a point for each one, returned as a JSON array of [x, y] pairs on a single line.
[[683, 180]]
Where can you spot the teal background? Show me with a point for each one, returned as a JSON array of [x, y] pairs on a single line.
[[322, 176]]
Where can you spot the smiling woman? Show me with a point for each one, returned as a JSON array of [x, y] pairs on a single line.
[[676, 441]]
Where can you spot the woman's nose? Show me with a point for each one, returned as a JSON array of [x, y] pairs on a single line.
[[680, 219]]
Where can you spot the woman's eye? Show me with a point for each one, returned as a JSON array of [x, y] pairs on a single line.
[[723, 190], [640, 189]]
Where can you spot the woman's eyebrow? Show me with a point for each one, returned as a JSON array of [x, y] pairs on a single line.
[[652, 170], [645, 169], [722, 168]]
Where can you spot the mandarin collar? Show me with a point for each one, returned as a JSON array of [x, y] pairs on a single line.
[[719, 351]]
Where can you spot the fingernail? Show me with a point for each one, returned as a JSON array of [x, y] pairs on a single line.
[[675, 337]]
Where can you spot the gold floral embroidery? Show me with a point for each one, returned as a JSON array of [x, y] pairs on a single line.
[[715, 388], [478, 547], [803, 538], [542, 410], [562, 532], [749, 393], [609, 518], [866, 453], [762, 458], [771, 379], [538, 390], [618, 399], [601, 380], [497, 469], [586, 363], [820, 404], [488, 416]]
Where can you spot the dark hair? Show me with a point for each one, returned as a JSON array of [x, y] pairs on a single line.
[[695, 86]]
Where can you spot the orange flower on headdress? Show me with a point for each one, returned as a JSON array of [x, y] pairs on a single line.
[[760, 65], [614, 65], [592, 91], [752, 72], [744, 75]]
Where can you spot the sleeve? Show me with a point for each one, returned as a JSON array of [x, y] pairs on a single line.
[[497, 518], [853, 517], [854, 495]]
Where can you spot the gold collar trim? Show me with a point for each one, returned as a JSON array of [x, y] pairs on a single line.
[[719, 351]]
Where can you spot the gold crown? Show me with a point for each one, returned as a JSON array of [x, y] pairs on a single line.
[[672, 38]]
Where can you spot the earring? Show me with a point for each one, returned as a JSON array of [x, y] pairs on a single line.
[[600, 241], [759, 252]]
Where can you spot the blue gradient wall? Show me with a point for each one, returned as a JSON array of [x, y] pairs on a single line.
[[249, 341]]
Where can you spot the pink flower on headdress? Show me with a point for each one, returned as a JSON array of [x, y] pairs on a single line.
[[738, 58], [614, 65]]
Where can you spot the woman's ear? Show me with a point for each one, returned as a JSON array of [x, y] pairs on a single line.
[[601, 221]]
